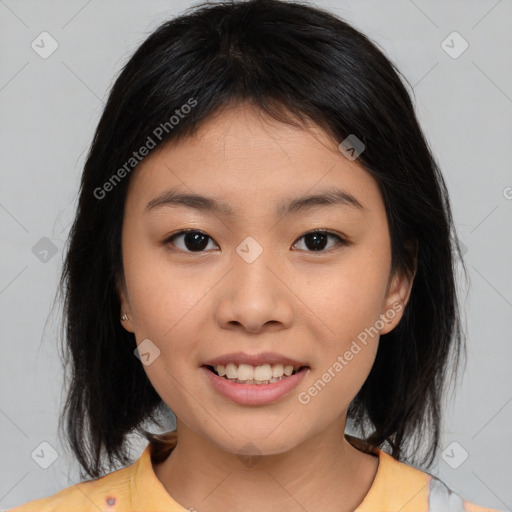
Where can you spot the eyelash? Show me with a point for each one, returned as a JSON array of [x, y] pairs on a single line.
[[341, 241]]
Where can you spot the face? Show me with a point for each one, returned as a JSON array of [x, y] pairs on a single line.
[[253, 277]]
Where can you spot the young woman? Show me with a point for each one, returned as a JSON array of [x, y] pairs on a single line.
[[264, 245]]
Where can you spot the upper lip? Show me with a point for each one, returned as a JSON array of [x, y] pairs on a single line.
[[254, 359]]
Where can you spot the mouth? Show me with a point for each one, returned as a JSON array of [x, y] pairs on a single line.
[[254, 386], [259, 375]]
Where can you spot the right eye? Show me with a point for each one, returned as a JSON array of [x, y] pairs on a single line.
[[193, 240]]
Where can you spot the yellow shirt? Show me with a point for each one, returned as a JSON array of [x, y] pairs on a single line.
[[136, 488]]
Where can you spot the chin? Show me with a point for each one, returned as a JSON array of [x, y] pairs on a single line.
[[256, 443]]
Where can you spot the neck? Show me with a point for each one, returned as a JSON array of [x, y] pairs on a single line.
[[323, 473]]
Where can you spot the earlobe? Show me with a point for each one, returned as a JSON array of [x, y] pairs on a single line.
[[395, 303], [126, 322], [125, 316], [398, 296]]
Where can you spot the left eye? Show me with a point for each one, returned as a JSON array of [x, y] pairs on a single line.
[[196, 241], [317, 240]]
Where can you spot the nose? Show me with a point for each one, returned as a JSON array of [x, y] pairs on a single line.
[[254, 296]]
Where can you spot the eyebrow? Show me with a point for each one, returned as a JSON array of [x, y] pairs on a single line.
[[328, 197]]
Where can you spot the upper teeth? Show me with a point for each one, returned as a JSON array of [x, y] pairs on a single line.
[[250, 372]]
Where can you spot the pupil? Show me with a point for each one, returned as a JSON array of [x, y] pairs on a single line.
[[316, 237], [195, 241]]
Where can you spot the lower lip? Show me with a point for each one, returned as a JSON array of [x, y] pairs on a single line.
[[255, 394]]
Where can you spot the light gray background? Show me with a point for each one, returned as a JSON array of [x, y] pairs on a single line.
[[50, 108]]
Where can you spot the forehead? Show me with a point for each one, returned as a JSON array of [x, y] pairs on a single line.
[[246, 159]]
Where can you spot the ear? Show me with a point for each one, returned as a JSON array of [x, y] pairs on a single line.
[[125, 305], [398, 293]]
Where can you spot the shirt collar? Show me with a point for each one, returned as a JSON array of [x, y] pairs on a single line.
[[147, 492], [396, 486]]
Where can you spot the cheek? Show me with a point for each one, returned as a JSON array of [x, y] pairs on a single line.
[[168, 308], [344, 359], [334, 387], [350, 298], [163, 297], [350, 302]]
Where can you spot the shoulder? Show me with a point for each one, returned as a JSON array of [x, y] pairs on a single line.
[[134, 487], [443, 498], [406, 488], [88, 496]]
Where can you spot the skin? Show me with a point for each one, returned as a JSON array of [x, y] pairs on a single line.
[[308, 305]]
